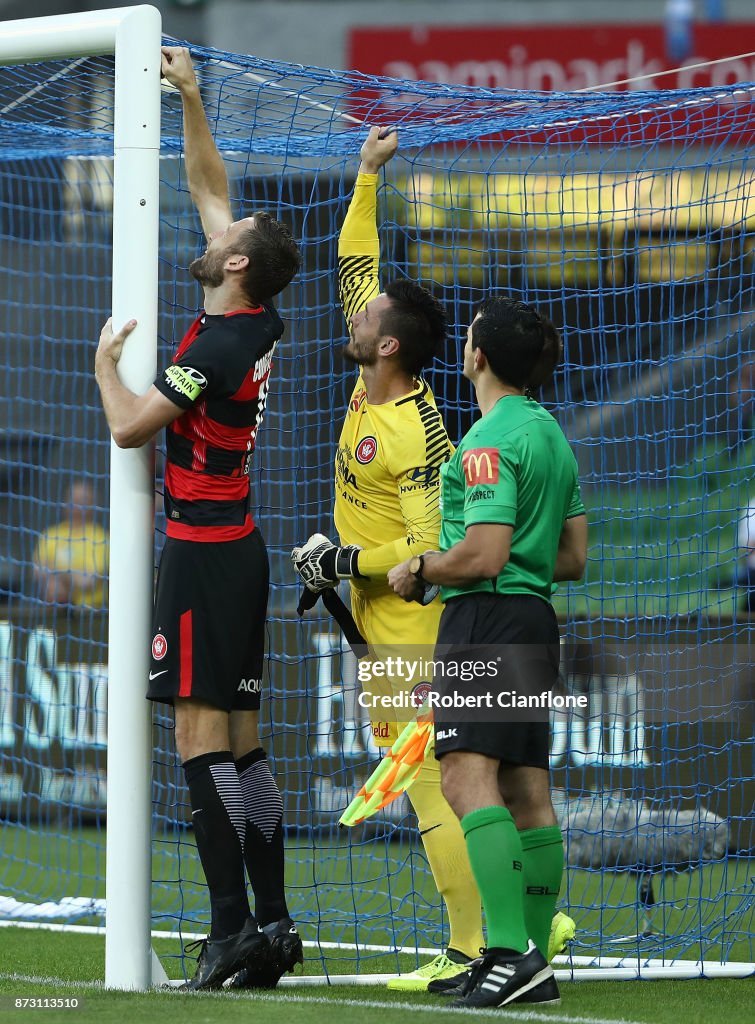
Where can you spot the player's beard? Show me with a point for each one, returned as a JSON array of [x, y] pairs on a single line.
[[360, 355], [208, 269]]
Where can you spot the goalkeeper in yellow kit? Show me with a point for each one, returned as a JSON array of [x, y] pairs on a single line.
[[387, 474]]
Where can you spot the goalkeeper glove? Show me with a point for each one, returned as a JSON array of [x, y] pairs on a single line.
[[321, 564]]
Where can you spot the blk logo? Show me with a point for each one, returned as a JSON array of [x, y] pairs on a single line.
[[447, 734]]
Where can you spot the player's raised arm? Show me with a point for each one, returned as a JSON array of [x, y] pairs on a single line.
[[358, 244], [205, 170]]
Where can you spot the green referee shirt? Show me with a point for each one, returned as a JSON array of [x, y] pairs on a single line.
[[514, 467]]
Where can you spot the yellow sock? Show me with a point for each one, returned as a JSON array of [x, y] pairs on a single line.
[[447, 853]]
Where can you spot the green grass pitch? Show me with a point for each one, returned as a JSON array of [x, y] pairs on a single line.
[[44, 964], [665, 549]]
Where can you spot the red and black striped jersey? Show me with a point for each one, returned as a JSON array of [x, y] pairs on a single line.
[[220, 375]]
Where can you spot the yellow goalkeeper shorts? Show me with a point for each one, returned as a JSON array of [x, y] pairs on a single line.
[[393, 628]]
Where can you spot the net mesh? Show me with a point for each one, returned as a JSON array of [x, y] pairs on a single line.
[[629, 218]]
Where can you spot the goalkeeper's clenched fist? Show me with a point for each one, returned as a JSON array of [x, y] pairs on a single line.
[[321, 564]]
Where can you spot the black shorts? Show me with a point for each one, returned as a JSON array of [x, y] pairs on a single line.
[[519, 633], [208, 635]]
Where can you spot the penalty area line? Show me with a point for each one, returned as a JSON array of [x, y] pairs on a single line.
[[512, 1013]]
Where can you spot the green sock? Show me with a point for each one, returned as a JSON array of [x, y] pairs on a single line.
[[543, 860], [495, 854]]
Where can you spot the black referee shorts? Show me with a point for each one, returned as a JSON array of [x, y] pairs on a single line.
[[208, 636], [518, 633]]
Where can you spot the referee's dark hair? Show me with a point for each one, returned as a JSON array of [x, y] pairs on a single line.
[[418, 321], [274, 257], [521, 346], [550, 358]]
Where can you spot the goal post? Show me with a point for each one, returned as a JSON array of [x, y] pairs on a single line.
[[133, 35]]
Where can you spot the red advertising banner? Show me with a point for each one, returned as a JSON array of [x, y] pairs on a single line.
[[554, 57], [560, 58]]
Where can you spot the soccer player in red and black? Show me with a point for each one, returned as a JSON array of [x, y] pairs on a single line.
[[212, 588]]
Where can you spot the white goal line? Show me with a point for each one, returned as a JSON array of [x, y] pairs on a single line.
[[575, 967]]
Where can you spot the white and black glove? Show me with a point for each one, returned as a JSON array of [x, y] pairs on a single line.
[[321, 564]]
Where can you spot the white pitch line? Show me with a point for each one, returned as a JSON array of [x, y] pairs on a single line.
[[91, 929], [34, 979], [576, 966], [370, 1004]]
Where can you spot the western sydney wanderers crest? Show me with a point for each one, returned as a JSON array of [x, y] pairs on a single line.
[[159, 647], [420, 694], [366, 450]]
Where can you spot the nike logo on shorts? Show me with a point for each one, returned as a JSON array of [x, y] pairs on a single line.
[[154, 675]]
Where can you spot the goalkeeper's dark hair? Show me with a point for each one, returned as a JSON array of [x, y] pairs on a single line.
[[418, 320], [274, 257], [522, 347]]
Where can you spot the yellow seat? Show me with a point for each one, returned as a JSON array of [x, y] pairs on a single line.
[[573, 230], [425, 198], [501, 204], [660, 260], [449, 258], [568, 258]]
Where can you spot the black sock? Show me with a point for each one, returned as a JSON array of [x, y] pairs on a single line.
[[263, 847], [219, 824]]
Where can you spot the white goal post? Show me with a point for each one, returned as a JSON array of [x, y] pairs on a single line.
[[133, 35]]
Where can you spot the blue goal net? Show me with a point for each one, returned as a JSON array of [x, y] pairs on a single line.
[[629, 218]]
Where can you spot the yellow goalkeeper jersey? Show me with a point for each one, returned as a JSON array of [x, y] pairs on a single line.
[[387, 466]]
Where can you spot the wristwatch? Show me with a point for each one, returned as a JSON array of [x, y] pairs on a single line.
[[416, 565]]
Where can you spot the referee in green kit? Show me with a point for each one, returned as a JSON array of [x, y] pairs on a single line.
[[513, 523]]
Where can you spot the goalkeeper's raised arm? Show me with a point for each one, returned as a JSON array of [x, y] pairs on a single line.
[[393, 442], [358, 244], [205, 170]]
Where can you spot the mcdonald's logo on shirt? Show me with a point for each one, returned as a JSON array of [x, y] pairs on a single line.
[[480, 466]]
